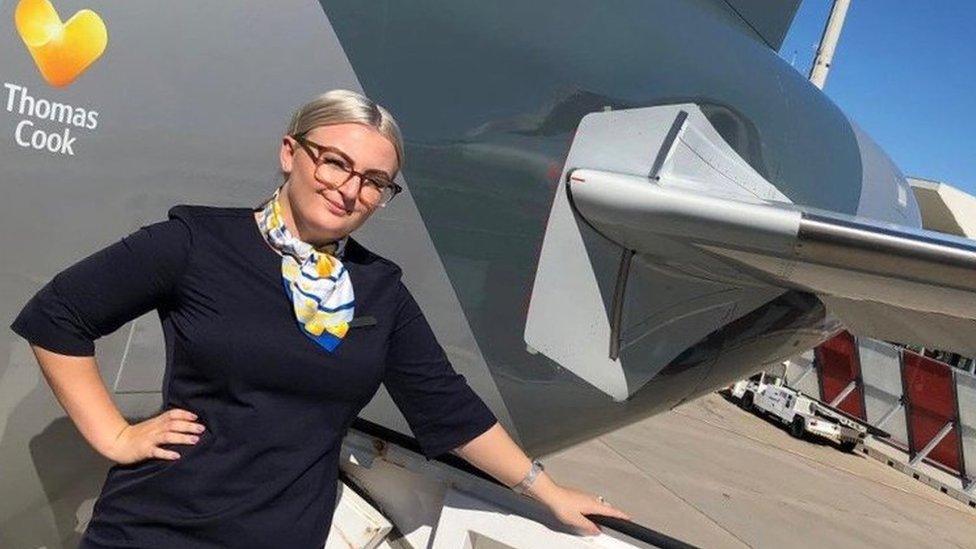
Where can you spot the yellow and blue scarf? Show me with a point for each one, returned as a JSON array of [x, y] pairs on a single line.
[[314, 278]]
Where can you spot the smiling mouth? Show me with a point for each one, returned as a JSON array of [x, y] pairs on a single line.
[[336, 206]]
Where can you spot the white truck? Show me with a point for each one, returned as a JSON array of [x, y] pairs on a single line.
[[765, 393], [752, 386]]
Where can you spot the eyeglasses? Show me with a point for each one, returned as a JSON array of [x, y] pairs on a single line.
[[332, 167]]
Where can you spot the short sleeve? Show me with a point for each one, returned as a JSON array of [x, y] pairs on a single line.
[[100, 293], [441, 408]]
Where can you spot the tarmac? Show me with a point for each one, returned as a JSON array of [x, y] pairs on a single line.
[[713, 475]]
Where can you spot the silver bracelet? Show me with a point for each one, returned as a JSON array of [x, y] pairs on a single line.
[[530, 477]]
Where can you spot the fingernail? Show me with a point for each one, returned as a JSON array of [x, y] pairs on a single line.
[[195, 438]]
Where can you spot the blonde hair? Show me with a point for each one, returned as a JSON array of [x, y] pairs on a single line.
[[345, 106]]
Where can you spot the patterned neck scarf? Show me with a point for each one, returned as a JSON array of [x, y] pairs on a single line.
[[315, 280]]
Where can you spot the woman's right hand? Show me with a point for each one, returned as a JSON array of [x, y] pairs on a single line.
[[142, 440]]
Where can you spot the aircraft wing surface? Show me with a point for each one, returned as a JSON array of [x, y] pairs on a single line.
[[882, 280]]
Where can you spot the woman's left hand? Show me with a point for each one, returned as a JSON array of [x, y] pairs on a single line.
[[569, 505], [495, 453]]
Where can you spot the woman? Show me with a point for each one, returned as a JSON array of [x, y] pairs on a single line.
[[279, 328]]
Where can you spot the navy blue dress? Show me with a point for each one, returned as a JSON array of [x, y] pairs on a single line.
[[275, 405]]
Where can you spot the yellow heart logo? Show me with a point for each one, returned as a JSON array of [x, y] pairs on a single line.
[[62, 51]]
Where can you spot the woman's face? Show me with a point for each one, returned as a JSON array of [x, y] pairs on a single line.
[[321, 213]]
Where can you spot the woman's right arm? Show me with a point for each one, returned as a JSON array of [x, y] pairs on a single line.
[[78, 386], [90, 299]]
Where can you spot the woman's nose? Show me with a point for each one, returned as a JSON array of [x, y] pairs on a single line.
[[350, 190]]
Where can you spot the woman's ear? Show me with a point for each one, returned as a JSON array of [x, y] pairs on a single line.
[[286, 155]]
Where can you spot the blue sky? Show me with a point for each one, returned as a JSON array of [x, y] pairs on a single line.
[[905, 71]]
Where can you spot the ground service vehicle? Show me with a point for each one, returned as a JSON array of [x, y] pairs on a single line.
[[766, 394]]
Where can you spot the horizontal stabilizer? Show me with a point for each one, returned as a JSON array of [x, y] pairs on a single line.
[[884, 281]]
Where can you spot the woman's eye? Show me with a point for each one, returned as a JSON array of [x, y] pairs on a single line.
[[334, 162], [377, 182]]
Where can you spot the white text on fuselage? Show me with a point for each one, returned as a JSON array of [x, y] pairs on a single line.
[[36, 135]]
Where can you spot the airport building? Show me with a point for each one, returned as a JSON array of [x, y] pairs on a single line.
[[950, 210], [925, 398], [945, 208]]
